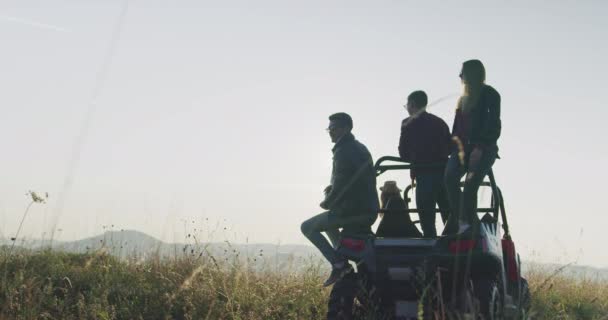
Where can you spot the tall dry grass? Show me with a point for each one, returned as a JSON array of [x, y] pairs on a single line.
[[557, 296], [56, 285]]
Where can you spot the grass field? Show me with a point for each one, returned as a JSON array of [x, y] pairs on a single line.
[[56, 285]]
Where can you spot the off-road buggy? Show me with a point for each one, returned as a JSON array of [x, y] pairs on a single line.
[[448, 277]]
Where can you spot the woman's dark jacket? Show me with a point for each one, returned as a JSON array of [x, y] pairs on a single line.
[[481, 127]]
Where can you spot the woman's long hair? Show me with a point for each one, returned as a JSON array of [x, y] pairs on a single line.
[[473, 77]]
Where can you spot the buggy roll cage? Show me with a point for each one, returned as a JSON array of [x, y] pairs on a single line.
[[497, 206]]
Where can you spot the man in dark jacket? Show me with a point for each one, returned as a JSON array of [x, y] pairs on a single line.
[[351, 199], [425, 141]]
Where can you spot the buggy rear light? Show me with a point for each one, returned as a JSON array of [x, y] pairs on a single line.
[[459, 246], [353, 244], [508, 248]]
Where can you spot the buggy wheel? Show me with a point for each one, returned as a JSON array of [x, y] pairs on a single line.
[[525, 300], [354, 297], [342, 299], [488, 295]]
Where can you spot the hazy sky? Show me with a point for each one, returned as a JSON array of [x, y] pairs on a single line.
[[218, 111]]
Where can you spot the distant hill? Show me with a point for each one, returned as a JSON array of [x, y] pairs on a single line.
[[136, 244], [117, 242]]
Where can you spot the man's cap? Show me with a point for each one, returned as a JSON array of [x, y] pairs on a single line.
[[342, 119], [390, 186]]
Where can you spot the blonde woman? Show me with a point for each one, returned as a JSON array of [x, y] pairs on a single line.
[[476, 130]]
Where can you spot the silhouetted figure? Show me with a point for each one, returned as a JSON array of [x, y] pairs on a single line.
[[351, 199], [476, 128], [425, 141], [395, 223]]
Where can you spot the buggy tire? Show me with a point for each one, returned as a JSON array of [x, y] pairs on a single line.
[[491, 302], [352, 298], [525, 300], [341, 299]]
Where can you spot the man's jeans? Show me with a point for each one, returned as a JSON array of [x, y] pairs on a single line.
[[430, 191], [464, 203], [330, 223]]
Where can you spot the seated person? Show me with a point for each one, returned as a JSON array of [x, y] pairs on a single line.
[[351, 200], [395, 223]]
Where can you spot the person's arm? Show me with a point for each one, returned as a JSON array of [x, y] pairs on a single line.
[[341, 176], [490, 129], [404, 142], [446, 140], [455, 131]]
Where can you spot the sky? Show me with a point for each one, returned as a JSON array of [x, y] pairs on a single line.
[[194, 116]]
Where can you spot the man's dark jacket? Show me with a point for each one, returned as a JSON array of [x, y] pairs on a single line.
[[353, 180], [425, 140]]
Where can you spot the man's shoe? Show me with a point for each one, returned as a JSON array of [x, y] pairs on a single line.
[[463, 227], [338, 271], [468, 229]]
